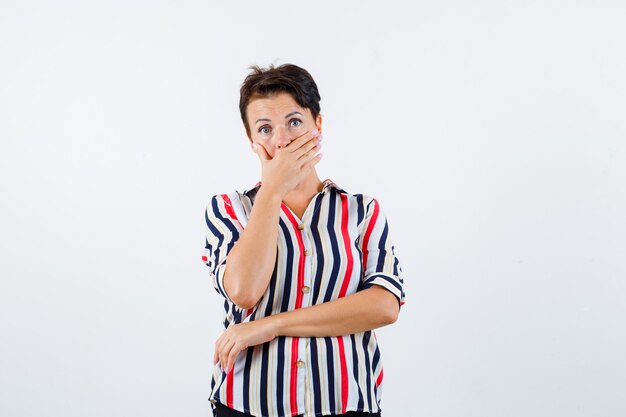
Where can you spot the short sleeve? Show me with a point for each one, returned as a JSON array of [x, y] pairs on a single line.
[[222, 231], [380, 263]]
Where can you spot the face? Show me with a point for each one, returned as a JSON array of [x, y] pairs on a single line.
[[277, 120]]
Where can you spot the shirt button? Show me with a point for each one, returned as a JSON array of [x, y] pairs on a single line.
[[300, 226], [306, 289], [300, 364], [307, 252]]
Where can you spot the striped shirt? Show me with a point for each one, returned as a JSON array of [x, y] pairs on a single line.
[[339, 247]]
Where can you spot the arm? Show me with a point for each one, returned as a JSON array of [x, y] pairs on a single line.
[[252, 258], [251, 261], [364, 310]]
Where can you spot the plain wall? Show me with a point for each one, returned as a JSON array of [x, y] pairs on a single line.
[[492, 133]]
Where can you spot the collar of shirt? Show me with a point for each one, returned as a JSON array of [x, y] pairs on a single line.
[[327, 184]]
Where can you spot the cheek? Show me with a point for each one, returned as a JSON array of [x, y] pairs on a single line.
[[269, 148]]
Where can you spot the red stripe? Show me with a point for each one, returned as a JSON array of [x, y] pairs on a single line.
[[344, 375], [342, 292], [229, 387], [379, 380], [368, 233], [294, 342], [228, 205], [346, 242], [293, 383]]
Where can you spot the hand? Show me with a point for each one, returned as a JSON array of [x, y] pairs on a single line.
[[238, 337], [290, 164]]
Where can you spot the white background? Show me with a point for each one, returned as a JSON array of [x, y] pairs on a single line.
[[492, 134]]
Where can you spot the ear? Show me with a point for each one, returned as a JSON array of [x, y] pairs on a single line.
[[318, 122]]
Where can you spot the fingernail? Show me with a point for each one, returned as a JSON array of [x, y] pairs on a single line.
[[320, 137], [314, 132], [226, 370]]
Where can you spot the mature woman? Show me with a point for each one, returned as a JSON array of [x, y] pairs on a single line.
[[307, 270]]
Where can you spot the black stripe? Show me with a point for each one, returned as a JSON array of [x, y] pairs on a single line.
[[288, 267], [330, 226], [375, 359], [396, 262], [319, 254], [226, 303], [355, 371], [272, 287], [315, 371], [246, 378], [280, 368], [330, 370], [265, 358], [360, 209], [371, 278], [381, 246], [366, 340], [264, 393]]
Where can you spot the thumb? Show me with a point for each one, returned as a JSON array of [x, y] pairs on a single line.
[[260, 151]]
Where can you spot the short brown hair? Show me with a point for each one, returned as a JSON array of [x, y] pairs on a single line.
[[290, 78]]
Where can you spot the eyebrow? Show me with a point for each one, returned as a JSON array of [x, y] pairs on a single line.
[[268, 120]]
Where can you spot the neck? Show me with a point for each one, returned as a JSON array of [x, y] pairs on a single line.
[[308, 187]]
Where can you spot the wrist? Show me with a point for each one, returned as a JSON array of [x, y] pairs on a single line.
[[274, 323], [270, 193]]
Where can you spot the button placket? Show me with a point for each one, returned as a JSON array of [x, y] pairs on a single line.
[[308, 266]]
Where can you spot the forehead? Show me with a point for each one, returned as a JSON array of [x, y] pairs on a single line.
[[277, 103]]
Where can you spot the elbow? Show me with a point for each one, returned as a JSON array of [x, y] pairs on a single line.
[[244, 301], [389, 306], [244, 298], [392, 308], [393, 311]]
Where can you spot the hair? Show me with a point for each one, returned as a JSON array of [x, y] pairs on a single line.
[[264, 82]]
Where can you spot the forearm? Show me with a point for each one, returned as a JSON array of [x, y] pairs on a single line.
[[364, 310], [251, 261]]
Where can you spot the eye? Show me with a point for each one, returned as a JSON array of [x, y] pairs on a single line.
[[261, 129], [296, 120]]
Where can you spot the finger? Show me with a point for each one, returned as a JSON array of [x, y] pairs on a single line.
[[217, 348], [233, 355], [308, 155], [224, 354], [260, 151], [308, 150], [309, 164], [301, 140]]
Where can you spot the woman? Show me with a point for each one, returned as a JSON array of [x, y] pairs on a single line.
[[311, 270]]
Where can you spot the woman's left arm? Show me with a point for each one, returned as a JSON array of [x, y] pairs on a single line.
[[364, 310]]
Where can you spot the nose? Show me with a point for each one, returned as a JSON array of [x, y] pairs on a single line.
[[282, 138]]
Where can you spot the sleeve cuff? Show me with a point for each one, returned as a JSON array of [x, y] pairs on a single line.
[[389, 282]]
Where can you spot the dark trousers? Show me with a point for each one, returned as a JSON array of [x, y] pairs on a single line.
[[222, 411]]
